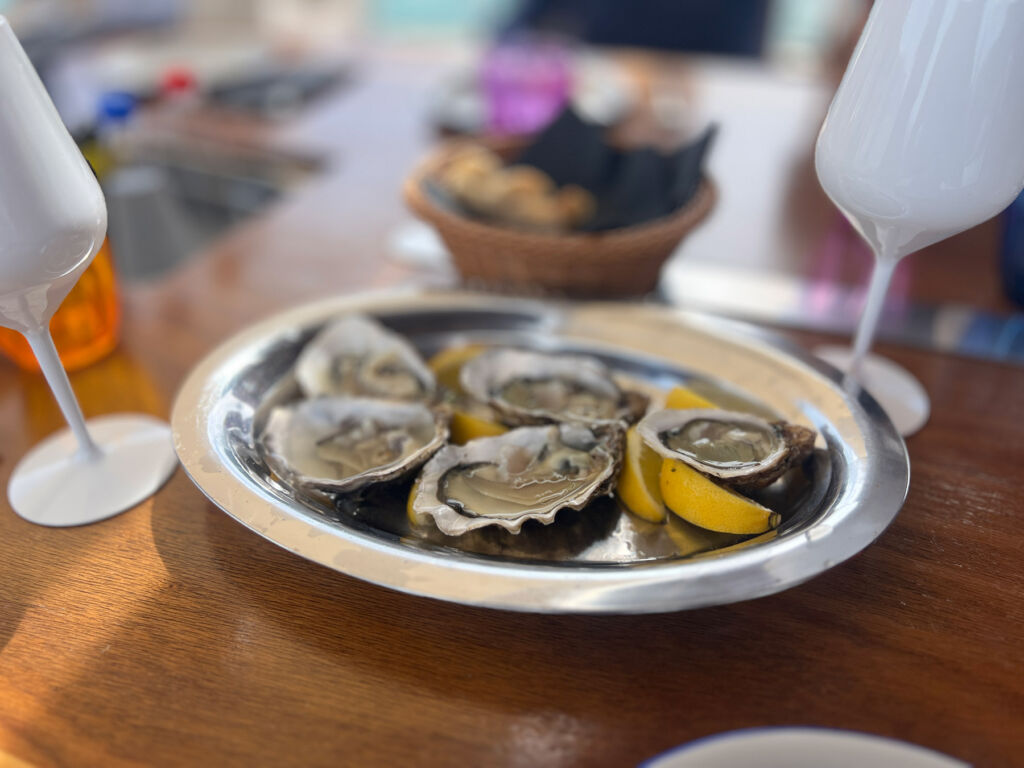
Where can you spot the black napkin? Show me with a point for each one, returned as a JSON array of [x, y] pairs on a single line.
[[572, 151], [630, 186], [688, 167]]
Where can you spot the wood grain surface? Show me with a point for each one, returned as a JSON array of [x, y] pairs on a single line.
[[171, 635]]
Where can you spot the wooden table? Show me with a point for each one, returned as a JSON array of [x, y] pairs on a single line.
[[172, 636]]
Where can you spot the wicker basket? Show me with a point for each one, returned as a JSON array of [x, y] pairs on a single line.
[[614, 263]]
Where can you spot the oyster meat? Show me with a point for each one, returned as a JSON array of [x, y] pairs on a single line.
[[527, 387], [528, 473], [357, 356], [738, 449], [342, 444]]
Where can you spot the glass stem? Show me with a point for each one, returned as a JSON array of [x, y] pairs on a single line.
[[881, 276], [57, 378]]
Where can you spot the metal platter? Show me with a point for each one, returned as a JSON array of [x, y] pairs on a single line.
[[611, 562]]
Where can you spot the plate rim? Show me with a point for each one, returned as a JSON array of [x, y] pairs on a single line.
[[801, 733], [530, 587]]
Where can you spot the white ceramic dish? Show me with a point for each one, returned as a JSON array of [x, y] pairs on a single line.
[[800, 748]]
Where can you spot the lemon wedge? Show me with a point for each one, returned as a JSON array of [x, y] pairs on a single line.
[[447, 363], [681, 398], [638, 480], [469, 421], [466, 426], [408, 503], [698, 500]]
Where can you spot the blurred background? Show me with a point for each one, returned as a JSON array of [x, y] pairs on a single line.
[[266, 125]]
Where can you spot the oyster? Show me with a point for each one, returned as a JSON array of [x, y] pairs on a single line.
[[529, 473], [342, 444], [535, 388], [737, 449], [357, 356]]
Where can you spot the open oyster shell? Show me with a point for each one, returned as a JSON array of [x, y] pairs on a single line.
[[528, 473], [357, 356], [738, 449], [342, 444], [527, 387]]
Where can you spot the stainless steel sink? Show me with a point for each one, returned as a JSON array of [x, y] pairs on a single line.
[[170, 202]]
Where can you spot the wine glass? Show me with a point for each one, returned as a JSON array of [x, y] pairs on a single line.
[[924, 139], [52, 223]]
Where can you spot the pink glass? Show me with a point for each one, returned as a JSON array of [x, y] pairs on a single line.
[[525, 85]]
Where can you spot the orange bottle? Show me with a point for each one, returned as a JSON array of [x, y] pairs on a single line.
[[86, 326]]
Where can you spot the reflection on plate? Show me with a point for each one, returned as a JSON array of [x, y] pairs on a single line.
[[800, 748], [608, 561]]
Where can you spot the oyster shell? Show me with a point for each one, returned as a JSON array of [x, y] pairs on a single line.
[[738, 449], [357, 356], [528, 473], [342, 444], [527, 387]]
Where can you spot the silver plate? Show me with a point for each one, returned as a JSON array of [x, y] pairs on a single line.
[[857, 483]]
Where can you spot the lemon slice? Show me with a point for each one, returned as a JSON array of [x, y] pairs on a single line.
[[698, 500], [638, 480], [466, 426], [681, 398], [447, 363]]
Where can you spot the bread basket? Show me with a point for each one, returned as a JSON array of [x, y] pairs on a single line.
[[611, 263]]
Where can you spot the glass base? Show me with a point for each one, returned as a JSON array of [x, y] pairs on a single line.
[[901, 395], [54, 485]]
